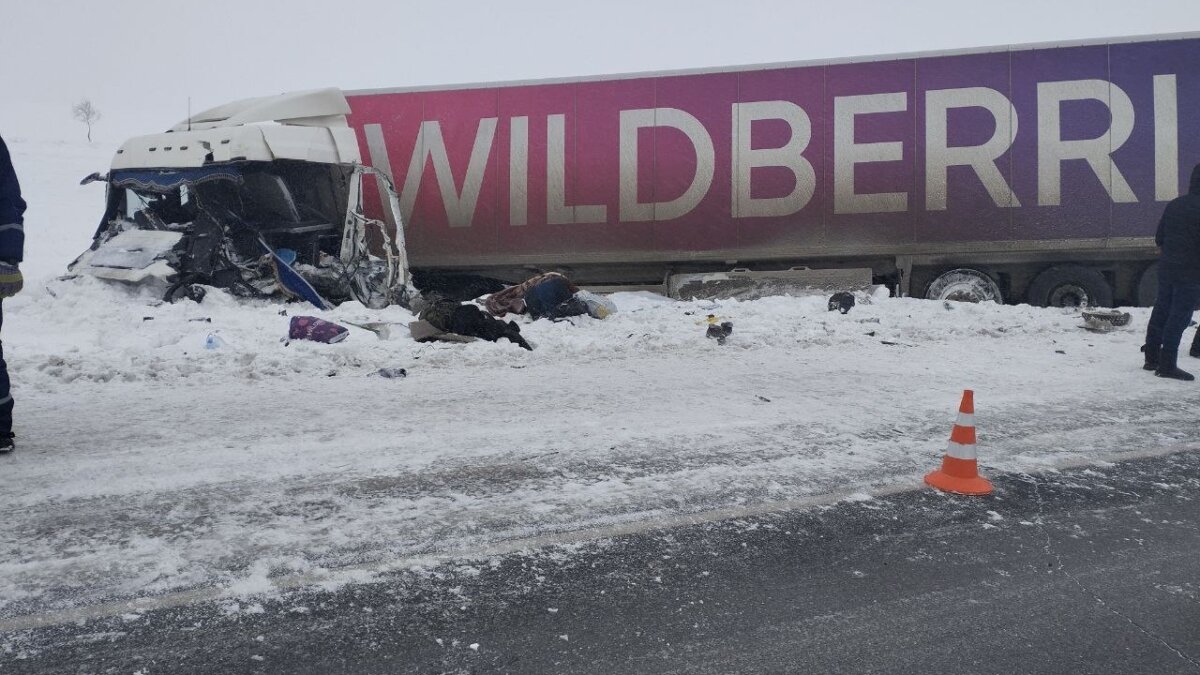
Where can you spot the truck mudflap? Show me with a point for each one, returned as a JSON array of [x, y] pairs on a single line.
[[247, 228]]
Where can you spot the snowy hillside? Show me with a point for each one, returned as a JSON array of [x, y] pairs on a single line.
[[149, 465]]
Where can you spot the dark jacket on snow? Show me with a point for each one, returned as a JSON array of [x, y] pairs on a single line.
[[1179, 236], [12, 210]]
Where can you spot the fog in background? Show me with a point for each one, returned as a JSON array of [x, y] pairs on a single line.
[[140, 60]]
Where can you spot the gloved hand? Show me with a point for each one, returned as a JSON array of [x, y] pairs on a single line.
[[11, 281]]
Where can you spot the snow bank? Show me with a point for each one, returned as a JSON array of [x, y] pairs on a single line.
[[148, 464]]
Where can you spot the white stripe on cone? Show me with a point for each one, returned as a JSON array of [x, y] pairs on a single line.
[[960, 451]]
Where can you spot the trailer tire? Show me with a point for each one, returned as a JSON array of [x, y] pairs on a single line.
[[1147, 288], [965, 285], [1070, 286]]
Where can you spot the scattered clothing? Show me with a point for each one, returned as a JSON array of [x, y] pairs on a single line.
[[842, 301], [317, 330], [719, 331], [548, 296], [572, 306], [545, 298], [514, 298], [597, 305], [469, 320]]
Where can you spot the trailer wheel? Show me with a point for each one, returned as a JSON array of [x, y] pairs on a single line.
[[1070, 286], [1147, 289], [965, 285]]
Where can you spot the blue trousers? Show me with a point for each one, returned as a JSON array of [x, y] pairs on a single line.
[[1172, 313], [6, 401]]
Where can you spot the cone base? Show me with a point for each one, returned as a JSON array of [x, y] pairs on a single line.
[[963, 486]]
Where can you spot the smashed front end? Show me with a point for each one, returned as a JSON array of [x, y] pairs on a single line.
[[230, 226], [252, 205]]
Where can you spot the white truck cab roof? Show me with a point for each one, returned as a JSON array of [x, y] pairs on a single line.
[[307, 126]]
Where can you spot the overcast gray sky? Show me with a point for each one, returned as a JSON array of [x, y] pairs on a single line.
[[140, 60]]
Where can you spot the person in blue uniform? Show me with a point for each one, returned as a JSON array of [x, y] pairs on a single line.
[[12, 249]]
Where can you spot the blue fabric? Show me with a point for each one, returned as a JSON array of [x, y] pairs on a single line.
[[12, 210], [1172, 313], [170, 180], [547, 295]]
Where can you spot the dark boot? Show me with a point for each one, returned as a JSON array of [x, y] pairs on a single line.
[[1151, 353], [1195, 351], [1167, 367]]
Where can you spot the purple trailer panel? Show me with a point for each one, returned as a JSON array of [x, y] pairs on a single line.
[[1138, 69], [960, 195], [692, 173], [790, 89], [868, 145], [1059, 199], [917, 155]]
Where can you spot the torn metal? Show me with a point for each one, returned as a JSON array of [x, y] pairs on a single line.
[[262, 197], [223, 225]]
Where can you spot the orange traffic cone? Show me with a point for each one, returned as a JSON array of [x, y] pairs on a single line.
[[960, 471]]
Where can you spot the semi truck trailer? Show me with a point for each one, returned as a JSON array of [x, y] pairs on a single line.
[[1032, 173], [1029, 173]]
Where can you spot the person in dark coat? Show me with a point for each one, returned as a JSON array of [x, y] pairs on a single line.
[[12, 248], [1178, 282], [454, 317]]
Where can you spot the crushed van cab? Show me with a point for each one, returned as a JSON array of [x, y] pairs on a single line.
[[260, 197]]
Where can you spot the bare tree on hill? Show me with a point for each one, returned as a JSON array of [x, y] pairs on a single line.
[[87, 113]]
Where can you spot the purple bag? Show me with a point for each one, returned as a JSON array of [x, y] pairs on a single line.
[[317, 330]]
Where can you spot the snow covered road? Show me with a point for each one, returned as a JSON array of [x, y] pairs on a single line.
[[149, 465]]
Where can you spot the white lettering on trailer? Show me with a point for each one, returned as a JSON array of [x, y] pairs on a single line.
[[557, 210], [460, 206], [518, 171], [847, 153], [939, 156], [1053, 150], [788, 156], [631, 121], [1166, 138]]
